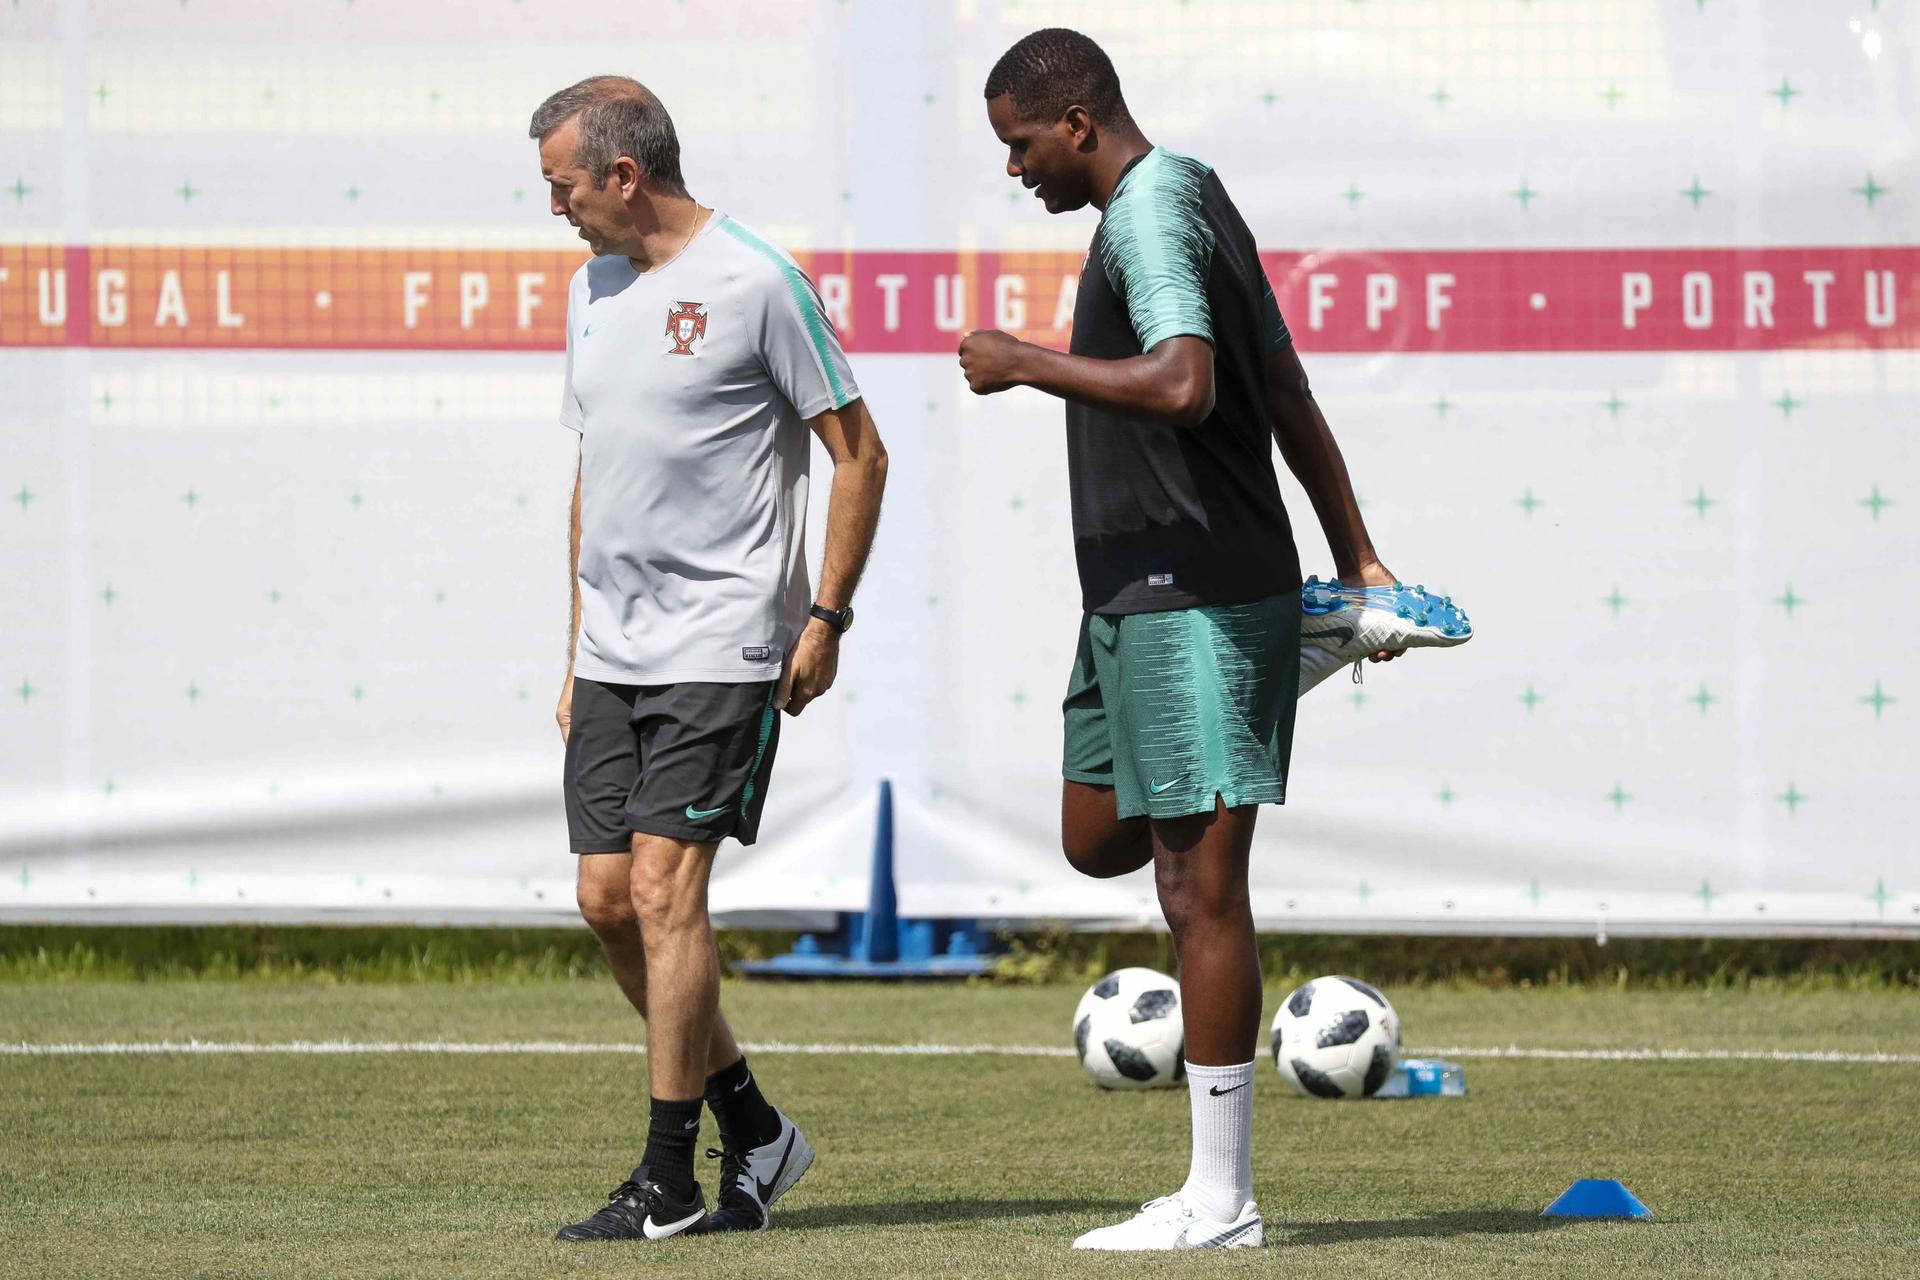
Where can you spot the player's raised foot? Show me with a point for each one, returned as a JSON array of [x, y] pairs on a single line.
[[751, 1180], [1341, 625], [1171, 1223], [641, 1209]]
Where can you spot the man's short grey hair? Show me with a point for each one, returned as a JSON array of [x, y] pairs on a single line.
[[618, 117]]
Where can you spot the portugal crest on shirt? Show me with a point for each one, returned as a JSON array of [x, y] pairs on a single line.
[[686, 324]]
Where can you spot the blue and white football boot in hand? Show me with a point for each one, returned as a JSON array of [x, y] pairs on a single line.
[[1172, 1223], [1341, 625]]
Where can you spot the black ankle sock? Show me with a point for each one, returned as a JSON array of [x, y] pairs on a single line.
[[671, 1137], [746, 1118]]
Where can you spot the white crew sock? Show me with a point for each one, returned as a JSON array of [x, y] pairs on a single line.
[[1220, 1179]]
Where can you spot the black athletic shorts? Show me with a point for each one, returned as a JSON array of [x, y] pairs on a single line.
[[690, 761]]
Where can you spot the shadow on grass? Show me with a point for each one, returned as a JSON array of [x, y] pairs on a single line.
[[815, 1217], [1463, 1222]]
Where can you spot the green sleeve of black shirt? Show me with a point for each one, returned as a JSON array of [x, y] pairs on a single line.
[[1157, 247], [1276, 328]]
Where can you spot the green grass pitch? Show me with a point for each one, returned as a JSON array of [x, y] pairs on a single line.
[[435, 1165]]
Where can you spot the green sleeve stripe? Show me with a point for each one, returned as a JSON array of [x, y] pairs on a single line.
[[1277, 335], [1156, 247], [803, 299]]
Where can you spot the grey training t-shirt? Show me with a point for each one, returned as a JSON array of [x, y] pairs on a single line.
[[691, 386]]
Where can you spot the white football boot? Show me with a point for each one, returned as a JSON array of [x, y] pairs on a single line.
[[1171, 1223], [1341, 626], [751, 1180]]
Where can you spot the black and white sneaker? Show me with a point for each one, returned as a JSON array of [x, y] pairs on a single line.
[[641, 1209], [751, 1180]]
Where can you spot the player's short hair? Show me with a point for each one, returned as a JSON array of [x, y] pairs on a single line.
[[619, 116], [1053, 69]]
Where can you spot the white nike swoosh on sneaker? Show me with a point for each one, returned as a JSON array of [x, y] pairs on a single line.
[[671, 1228]]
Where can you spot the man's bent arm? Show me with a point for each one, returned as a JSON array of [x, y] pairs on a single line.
[[1171, 384], [853, 504], [1308, 448]]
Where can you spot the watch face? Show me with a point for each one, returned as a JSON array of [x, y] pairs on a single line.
[[846, 619]]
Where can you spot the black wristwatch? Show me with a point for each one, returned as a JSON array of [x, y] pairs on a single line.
[[840, 620]]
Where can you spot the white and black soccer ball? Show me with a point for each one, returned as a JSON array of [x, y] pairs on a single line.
[[1336, 1038], [1129, 1032]]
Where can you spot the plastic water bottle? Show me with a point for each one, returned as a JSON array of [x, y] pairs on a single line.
[[1425, 1078]]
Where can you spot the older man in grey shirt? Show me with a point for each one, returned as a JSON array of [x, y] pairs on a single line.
[[698, 358]]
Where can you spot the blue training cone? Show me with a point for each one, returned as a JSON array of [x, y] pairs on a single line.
[[1597, 1198]]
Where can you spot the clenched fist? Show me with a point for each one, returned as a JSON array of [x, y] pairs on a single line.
[[991, 360]]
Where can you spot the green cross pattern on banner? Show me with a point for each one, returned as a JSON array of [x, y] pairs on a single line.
[[283, 488], [1879, 700]]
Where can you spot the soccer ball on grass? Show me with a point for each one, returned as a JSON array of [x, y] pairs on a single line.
[[1336, 1038], [1128, 1031]]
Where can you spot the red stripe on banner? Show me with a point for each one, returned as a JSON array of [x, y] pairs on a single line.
[[920, 303], [1600, 299]]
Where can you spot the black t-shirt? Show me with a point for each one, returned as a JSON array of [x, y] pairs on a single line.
[[1170, 517]]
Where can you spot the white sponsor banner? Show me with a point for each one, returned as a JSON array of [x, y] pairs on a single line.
[[1611, 307]]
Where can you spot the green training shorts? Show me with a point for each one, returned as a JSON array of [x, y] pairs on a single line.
[[1173, 709]]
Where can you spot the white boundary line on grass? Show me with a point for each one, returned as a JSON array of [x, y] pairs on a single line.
[[28, 1049], [1668, 1055]]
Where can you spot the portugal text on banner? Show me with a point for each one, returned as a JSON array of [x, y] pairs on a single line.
[[1596, 300]]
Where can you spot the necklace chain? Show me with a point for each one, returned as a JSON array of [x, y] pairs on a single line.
[[692, 231]]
